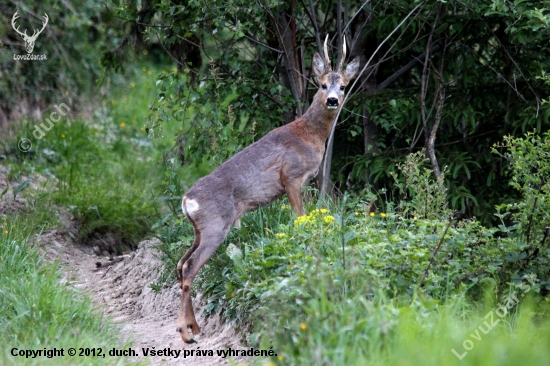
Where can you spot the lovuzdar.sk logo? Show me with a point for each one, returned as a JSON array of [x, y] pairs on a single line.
[[29, 40]]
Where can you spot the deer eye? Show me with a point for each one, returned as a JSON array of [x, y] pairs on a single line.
[[342, 87], [324, 86]]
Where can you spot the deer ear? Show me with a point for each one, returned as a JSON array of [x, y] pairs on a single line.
[[318, 65], [352, 68]]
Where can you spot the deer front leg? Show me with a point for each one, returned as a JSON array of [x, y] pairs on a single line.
[[294, 193]]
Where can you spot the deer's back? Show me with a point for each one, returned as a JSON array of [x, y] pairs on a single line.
[[256, 175]]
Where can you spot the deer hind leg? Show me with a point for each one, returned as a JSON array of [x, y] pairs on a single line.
[[211, 238], [190, 251]]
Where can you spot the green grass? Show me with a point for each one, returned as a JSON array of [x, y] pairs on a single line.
[[101, 169], [37, 311], [326, 327], [521, 339], [282, 280]]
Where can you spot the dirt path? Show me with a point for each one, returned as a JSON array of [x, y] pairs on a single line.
[[121, 286]]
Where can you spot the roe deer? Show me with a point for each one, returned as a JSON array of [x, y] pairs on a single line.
[[280, 162]]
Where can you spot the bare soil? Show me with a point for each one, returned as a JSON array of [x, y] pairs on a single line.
[[121, 287]]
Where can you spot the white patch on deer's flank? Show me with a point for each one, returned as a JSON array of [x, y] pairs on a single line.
[[189, 206]]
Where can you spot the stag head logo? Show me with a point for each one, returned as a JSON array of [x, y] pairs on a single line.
[[29, 40]]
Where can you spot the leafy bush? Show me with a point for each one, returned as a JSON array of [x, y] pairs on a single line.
[[71, 41], [421, 194], [529, 159], [344, 285]]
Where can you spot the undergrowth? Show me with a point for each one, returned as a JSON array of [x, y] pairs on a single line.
[[348, 284], [98, 167]]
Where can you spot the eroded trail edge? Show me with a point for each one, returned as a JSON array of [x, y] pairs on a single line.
[[120, 286]]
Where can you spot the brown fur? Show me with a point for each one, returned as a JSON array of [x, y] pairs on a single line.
[[280, 162]]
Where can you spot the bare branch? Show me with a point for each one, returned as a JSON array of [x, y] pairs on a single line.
[[313, 18], [430, 134], [404, 69], [249, 37]]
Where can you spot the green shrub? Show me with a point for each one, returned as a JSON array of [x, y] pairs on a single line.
[[529, 159], [421, 194]]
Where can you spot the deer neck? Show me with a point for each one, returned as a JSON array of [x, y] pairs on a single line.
[[318, 119]]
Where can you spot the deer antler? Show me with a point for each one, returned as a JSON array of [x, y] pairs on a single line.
[[341, 64], [15, 16], [327, 60], [44, 23]]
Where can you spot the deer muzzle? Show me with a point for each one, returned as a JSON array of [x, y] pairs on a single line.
[[332, 103]]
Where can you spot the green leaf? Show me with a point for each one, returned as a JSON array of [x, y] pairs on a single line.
[[20, 187], [5, 190]]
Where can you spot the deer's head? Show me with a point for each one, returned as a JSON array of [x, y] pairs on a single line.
[[29, 40], [333, 83]]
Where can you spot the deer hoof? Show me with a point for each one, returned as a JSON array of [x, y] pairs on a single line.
[[184, 333]]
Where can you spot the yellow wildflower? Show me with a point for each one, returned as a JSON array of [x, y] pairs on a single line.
[[149, 72], [62, 135], [302, 219], [280, 235], [328, 219], [357, 214], [383, 214], [133, 84], [122, 124], [283, 207], [414, 218], [372, 214], [303, 326], [320, 211], [280, 357], [144, 68], [6, 231]]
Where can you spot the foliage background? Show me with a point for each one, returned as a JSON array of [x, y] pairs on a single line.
[[449, 114], [244, 70]]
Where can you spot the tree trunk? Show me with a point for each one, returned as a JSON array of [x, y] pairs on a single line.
[[370, 138], [289, 65]]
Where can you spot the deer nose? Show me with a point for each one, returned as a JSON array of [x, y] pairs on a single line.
[[332, 102]]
